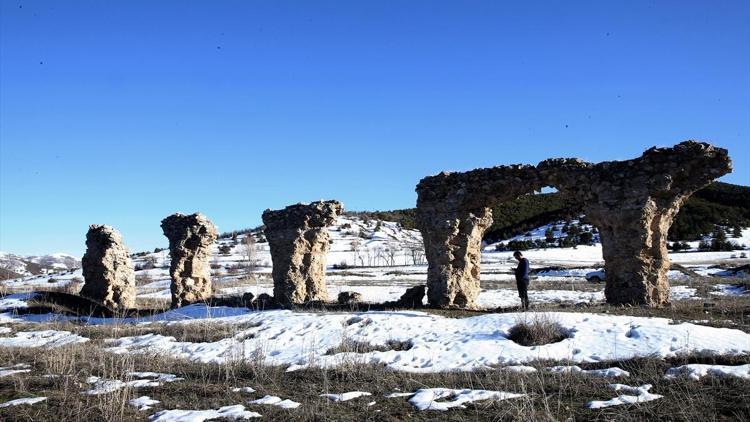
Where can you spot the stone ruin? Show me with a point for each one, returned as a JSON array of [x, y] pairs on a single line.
[[190, 238], [107, 269], [633, 204], [299, 240], [453, 212]]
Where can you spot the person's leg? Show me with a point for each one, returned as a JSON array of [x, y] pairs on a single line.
[[521, 286], [526, 295]]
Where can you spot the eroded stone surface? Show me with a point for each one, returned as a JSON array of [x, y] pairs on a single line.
[[633, 204], [108, 269], [190, 238], [299, 241], [453, 212]]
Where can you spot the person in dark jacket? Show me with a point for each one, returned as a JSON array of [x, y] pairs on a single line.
[[522, 278]]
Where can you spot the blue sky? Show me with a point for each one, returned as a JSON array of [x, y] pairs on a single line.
[[125, 112]]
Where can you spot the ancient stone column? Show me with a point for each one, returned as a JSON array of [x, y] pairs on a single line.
[[453, 212], [190, 238], [633, 203], [298, 238], [107, 269]]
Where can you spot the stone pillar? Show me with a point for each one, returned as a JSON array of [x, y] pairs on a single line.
[[453, 245], [190, 238], [107, 269], [299, 241], [633, 204], [453, 213]]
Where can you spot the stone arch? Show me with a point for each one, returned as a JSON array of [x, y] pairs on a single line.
[[453, 212], [633, 204]]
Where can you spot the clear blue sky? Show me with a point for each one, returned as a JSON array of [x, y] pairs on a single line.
[[125, 112]]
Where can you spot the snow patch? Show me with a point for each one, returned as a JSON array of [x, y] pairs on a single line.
[[243, 390], [20, 368], [146, 379], [604, 373], [637, 395], [346, 396], [427, 398], [730, 290], [276, 401], [43, 338], [143, 402], [698, 371], [227, 412], [28, 400]]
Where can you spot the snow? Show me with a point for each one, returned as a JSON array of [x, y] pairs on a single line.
[[641, 395], [20, 368], [276, 401], [398, 394], [28, 400], [227, 412], [682, 293], [427, 398], [300, 340], [346, 396], [243, 390], [604, 373], [698, 371], [43, 280], [145, 379], [43, 338], [520, 369], [158, 376], [143, 402], [14, 301], [730, 290]]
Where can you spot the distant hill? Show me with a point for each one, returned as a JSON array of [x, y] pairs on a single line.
[[720, 204], [14, 266]]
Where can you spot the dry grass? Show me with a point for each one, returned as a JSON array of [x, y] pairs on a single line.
[[536, 329], [550, 396]]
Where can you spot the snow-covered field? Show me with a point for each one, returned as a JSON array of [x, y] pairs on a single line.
[[381, 264]]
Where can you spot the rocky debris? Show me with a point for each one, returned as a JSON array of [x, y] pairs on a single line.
[[107, 269], [265, 301], [190, 238], [349, 298], [633, 204], [299, 241], [453, 212], [412, 297], [248, 299]]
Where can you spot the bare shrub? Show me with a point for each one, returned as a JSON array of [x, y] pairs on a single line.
[[537, 330]]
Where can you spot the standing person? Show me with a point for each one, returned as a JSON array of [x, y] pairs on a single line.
[[522, 278]]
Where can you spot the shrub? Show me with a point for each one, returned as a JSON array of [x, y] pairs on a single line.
[[678, 246], [537, 330]]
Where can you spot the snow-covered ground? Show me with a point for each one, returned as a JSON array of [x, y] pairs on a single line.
[[381, 264], [384, 254]]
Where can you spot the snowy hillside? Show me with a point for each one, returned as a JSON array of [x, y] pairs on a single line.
[[17, 265]]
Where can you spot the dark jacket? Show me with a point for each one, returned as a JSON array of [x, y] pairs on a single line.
[[522, 270]]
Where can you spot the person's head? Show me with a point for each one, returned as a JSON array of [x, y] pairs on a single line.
[[518, 255]]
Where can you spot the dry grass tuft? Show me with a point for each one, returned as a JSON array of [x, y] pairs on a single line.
[[536, 330]]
